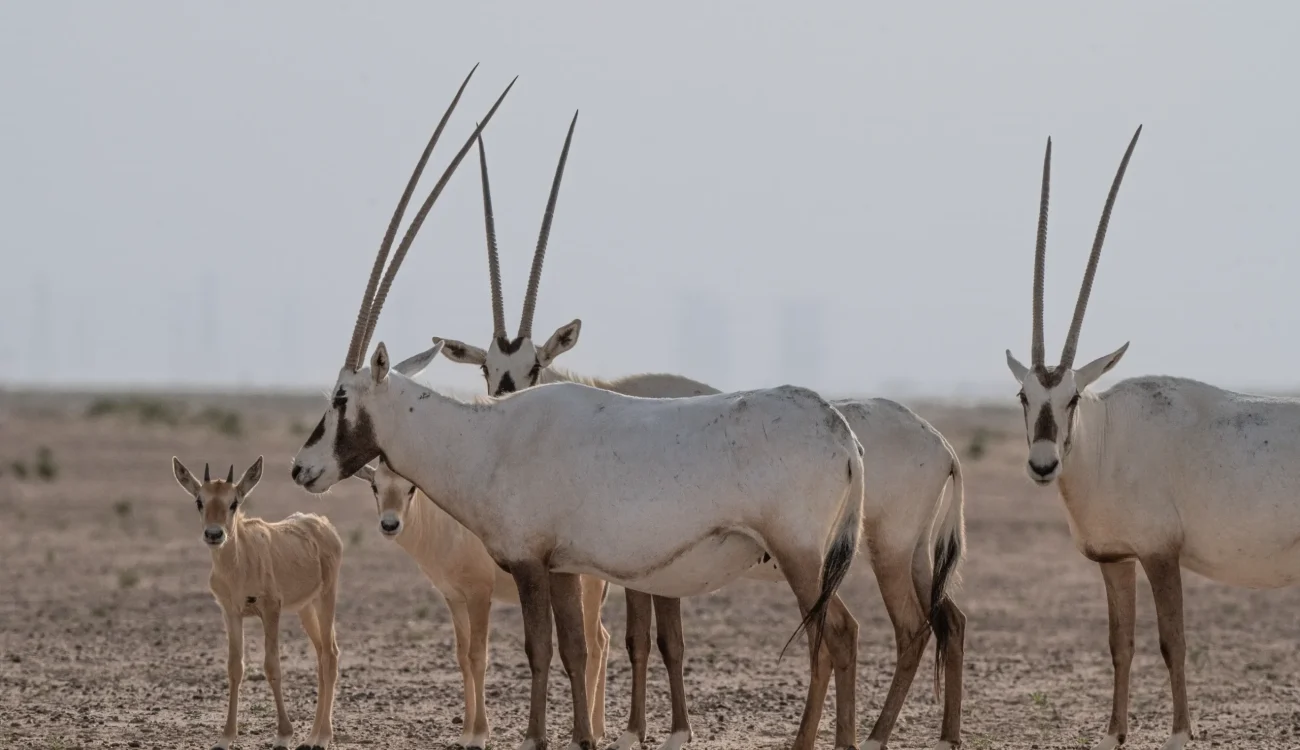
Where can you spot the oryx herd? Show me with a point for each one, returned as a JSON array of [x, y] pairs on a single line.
[[557, 484]]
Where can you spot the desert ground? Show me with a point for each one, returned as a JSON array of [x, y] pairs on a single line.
[[110, 638]]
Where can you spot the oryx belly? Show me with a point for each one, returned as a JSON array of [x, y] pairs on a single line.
[[696, 567]]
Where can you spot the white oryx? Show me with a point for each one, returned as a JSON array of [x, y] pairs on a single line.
[[908, 465], [1162, 471], [669, 496]]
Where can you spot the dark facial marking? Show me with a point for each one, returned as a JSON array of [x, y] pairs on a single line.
[[1049, 378], [316, 434], [508, 346], [252, 600], [534, 374], [766, 557], [507, 385], [1045, 425], [354, 444]]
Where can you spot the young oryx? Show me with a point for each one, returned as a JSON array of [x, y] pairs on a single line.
[[908, 464], [1164, 471], [458, 565], [262, 569], [668, 496]]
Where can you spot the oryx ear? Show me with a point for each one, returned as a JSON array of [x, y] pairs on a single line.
[[1018, 370], [184, 478], [459, 351], [413, 366], [379, 363], [1088, 374], [250, 478], [560, 342], [366, 474]]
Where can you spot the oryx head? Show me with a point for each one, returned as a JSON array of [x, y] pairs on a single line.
[[345, 439], [511, 364], [220, 502], [1050, 395]]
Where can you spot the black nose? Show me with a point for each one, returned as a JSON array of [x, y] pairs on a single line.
[[213, 535], [297, 469], [390, 525], [1046, 469]]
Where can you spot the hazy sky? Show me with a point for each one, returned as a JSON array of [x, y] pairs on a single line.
[[193, 192]]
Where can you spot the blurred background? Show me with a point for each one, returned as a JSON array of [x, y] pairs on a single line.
[[842, 197]]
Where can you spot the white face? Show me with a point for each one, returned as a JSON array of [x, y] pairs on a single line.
[[345, 440], [393, 496], [513, 365], [1050, 399]]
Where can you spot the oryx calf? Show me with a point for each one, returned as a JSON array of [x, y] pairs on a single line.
[[459, 566], [261, 570]]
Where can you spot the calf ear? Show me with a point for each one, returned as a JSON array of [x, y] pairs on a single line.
[[366, 474], [184, 478], [250, 478]]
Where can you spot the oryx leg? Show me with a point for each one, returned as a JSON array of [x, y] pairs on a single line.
[[911, 634], [534, 584], [954, 658], [638, 651], [1167, 586], [1121, 608], [672, 647], [235, 674], [802, 571], [271, 663], [566, 603], [597, 638]]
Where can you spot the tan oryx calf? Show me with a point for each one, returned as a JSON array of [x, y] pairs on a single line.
[[459, 566], [262, 569]]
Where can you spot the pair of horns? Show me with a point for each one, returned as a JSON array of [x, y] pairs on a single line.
[[1040, 257], [539, 255], [230, 478], [376, 291]]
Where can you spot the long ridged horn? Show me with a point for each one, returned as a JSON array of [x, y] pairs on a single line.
[[378, 303], [230, 476], [356, 350], [206, 476], [539, 256], [1038, 355], [494, 264], [1072, 340]]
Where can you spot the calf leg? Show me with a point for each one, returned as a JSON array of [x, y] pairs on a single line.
[[638, 652], [1167, 586], [328, 666], [597, 639], [311, 624], [271, 629], [480, 609], [672, 647], [461, 626], [235, 674]]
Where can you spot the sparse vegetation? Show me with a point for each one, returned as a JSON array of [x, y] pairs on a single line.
[[979, 444], [298, 429], [355, 536], [422, 612], [228, 422], [146, 410], [1039, 698], [127, 578], [122, 509], [46, 467], [19, 468]]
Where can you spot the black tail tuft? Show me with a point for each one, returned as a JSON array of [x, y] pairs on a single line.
[[834, 568], [947, 553]]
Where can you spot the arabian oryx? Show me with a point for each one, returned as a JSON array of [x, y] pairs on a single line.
[[261, 570], [908, 464], [567, 479], [1162, 471]]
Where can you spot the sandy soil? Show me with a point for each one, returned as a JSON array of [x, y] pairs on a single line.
[[110, 638]]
